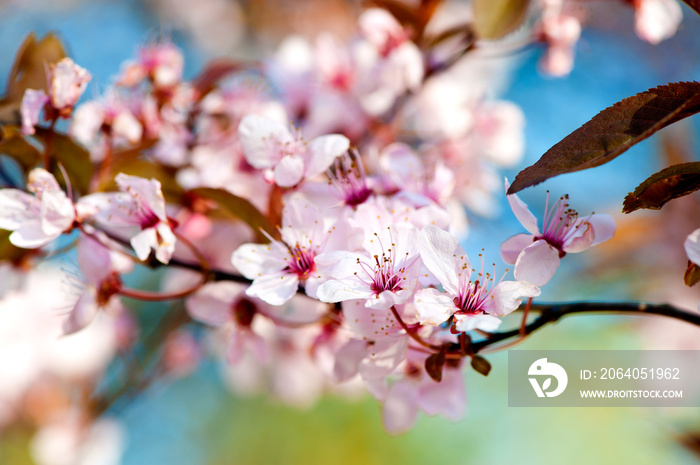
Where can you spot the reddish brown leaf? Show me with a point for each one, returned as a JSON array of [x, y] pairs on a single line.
[[240, 208], [612, 131], [14, 145], [692, 274], [694, 4], [29, 68], [494, 19], [434, 365], [71, 155], [668, 184], [481, 365]]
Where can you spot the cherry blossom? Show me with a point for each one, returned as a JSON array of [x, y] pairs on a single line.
[[385, 274], [101, 269], [537, 255], [278, 268], [287, 158], [226, 306], [472, 305], [139, 208], [36, 219]]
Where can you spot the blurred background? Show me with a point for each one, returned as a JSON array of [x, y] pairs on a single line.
[[197, 420]]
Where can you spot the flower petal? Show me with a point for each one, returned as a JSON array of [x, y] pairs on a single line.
[[604, 227], [83, 312], [434, 307], [522, 213], [322, 151], [537, 263], [437, 249], [484, 322], [289, 171], [143, 242], [274, 288], [505, 297], [32, 103], [511, 247], [261, 138], [692, 246]]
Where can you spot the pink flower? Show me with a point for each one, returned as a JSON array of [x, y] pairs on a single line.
[[162, 62], [140, 205], [279, 267], [536, 255], [36, 219], [67, 82], [656, 20], [473, 305], [101, 269], [417, 391], [383, 275], [32, 104], [224, 305], [285, 157]]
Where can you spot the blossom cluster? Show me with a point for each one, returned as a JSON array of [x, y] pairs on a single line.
[[309, 212]]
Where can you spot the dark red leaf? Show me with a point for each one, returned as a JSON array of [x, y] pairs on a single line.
[[668, 184], [481, 365], [694, 4], [612, 131], [434, 365], [240, 208], [692, 274]]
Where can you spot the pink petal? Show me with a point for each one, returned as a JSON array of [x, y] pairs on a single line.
[[57, 213], [32, 104], [347, 359], [254, 260], [93, 259], [147, 192], [537, 263], [16, 208], [692, 246], [434, 307], [289, 171], [275, 288], [656, 20], [383, 357], [448, 397], [261, 138], [583, 238], [31, 236], [400, 407], [505, 297], [323, 151], [511, 248], [483, 322], [83, 312], [604, 227], [68, 82], [335, 290], [522, 213], [437, 250], [166, 242], [143, 242], [212, 304]]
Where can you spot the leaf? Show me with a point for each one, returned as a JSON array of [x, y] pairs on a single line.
[[71, 155], [668, 184], [29, 68], [128, 162], [494, 19], [240, 208], [694, 4], [434, 365], [692, 274], [612, 131], [481, 365], [14, 145]]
